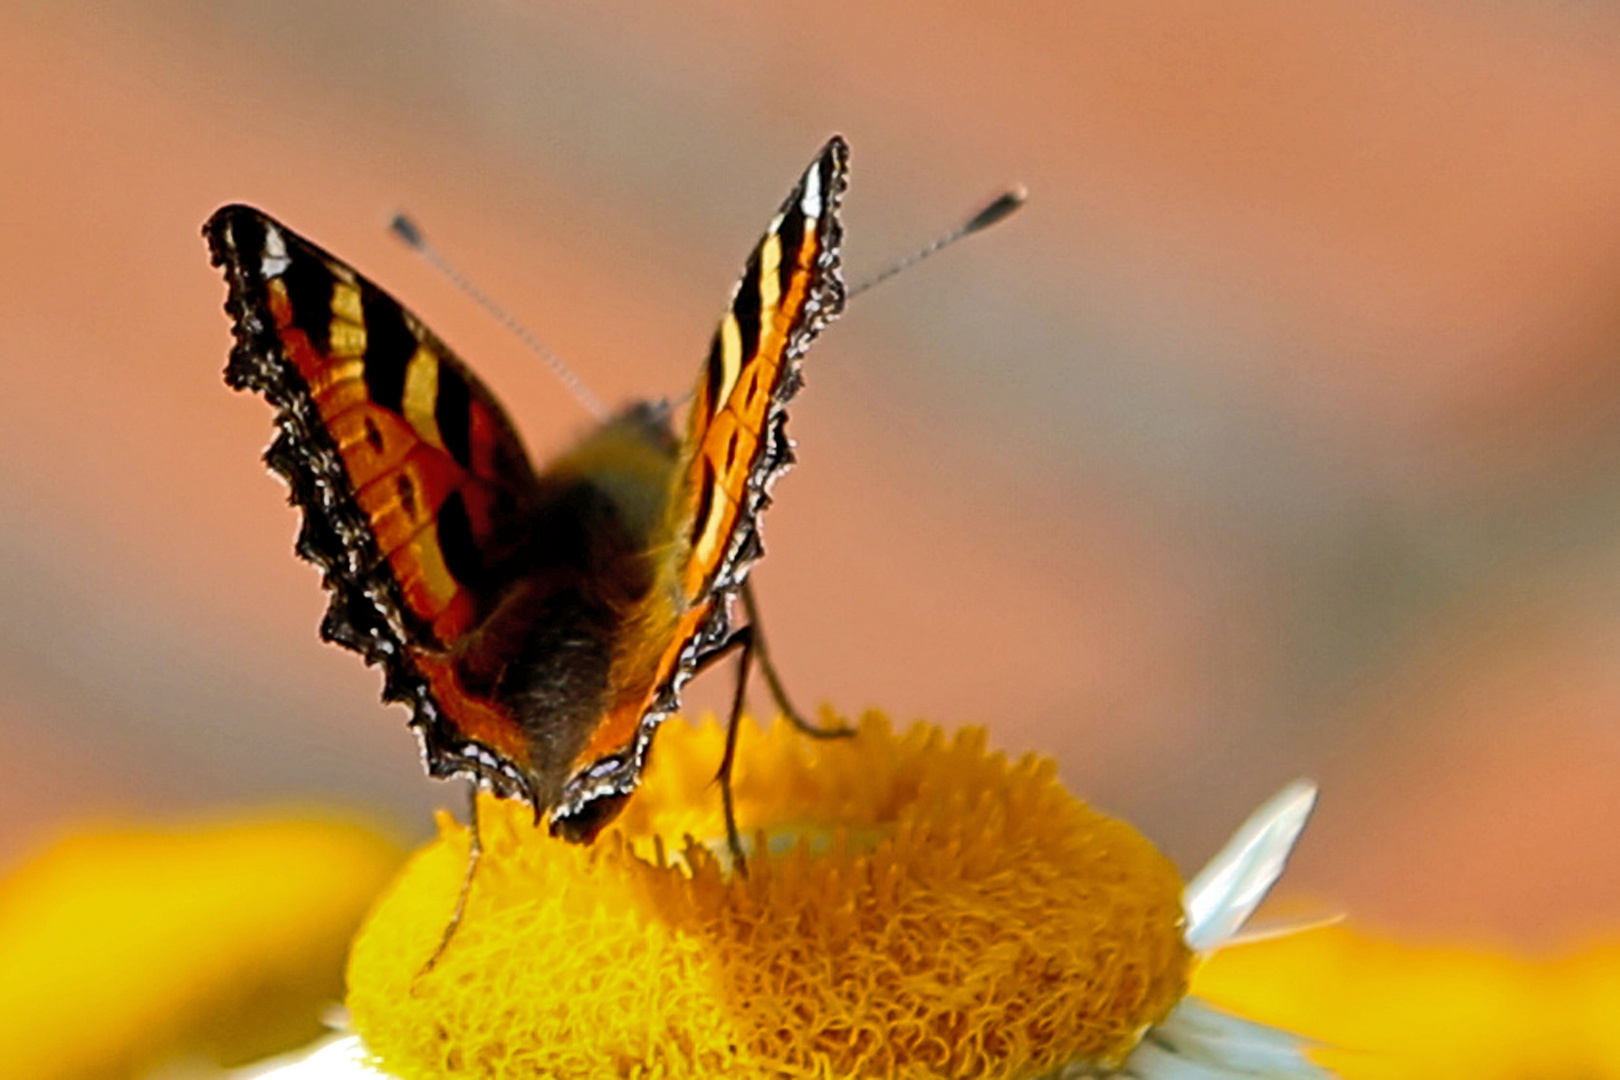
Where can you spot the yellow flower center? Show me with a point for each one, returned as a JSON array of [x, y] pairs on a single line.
[[925, 909]]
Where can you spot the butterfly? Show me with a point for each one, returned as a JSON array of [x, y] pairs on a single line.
[[540, 623]]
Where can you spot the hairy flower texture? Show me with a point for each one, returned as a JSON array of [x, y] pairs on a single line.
[[915, 907], [124, 948], [1382, 1010]]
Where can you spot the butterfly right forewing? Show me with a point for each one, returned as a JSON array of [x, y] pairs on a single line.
[[789, 291], [735, 448]]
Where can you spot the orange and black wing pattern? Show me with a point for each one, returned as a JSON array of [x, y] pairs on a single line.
[[415, 489], [735, 448], [540, 625]]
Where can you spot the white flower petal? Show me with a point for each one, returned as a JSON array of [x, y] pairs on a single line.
[[1226, 892], [340, 1057], [1197, 1042]]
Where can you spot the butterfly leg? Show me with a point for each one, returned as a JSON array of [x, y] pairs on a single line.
[[774, 680], [746, 640], [750, 642], [475, 851]]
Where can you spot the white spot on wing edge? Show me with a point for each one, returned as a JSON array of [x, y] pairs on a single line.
[[1220, 899], [810, 202], [274, 260]]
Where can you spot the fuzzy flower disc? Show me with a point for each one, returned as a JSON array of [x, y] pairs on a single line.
[[915, 907]]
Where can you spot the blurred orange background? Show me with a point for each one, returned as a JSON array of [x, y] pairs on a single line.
[[1279, 435]]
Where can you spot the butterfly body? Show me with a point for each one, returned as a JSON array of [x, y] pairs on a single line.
[[540, 623]]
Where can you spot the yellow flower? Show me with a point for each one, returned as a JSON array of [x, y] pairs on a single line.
[[123, 948], [1385, 1010], [919, 908]]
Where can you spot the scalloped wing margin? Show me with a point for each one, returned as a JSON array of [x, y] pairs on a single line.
[[368, 610], [736, 448]]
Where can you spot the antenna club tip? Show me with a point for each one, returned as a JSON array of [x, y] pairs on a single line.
[[1004, 206], [406, 229]]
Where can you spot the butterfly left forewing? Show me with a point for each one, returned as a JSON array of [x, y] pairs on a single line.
[[735, 448], [415, 488]]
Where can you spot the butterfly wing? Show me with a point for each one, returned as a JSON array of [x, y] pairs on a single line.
[[735, 448], [415, 488]]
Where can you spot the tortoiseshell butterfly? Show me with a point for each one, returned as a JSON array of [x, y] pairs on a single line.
[[540, 624]]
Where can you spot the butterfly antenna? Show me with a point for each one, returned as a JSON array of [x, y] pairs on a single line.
[[408, 231], [997, 210]]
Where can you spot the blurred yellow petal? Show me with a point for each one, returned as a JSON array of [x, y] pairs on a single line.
[[1388, 1011], [926, 909], [123, 948]]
